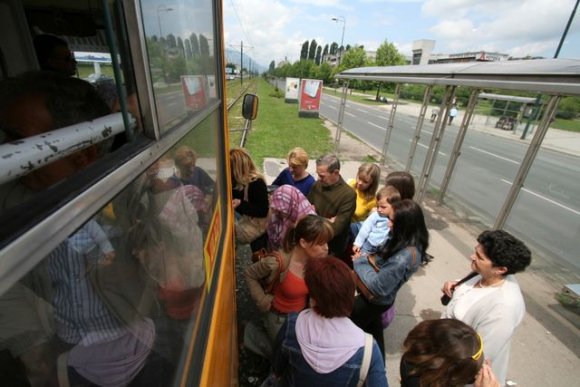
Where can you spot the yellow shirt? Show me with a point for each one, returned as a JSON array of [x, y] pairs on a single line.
[[363, 206]]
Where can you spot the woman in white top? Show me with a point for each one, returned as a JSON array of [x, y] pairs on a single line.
[[492, 302]]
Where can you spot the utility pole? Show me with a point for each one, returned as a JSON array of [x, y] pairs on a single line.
[[242, 62], [536, 111]]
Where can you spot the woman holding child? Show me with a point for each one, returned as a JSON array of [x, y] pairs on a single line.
[[396, 262]]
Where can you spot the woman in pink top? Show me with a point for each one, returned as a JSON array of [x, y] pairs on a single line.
[[308, 239], [287, 206]]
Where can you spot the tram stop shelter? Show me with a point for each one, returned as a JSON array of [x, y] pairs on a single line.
[[551, 78]]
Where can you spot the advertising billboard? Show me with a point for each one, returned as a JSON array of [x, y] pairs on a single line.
[[291, 95], [310, 92], [194, 91]]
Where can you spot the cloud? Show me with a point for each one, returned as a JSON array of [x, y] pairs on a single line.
[[507, 26]]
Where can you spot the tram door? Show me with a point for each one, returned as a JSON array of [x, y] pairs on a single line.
[[116, 250]]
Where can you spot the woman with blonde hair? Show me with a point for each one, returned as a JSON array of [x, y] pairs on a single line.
[[365, 185], [296, 174], [249, 192]]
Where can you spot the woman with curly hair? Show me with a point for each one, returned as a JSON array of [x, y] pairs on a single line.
[[491, 302]]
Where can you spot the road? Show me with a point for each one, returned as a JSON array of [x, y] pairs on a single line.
[[547, 212]]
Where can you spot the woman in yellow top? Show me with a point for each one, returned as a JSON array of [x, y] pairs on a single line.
[[365, 185]]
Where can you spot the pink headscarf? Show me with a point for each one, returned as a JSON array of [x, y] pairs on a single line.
[[291, 206]]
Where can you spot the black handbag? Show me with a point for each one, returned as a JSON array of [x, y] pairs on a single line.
[[445, 298]]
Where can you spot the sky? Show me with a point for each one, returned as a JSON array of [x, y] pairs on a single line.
[[274, 30]]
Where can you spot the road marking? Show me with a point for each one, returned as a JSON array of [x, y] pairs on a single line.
[[376, 126], [349, 114], [361, 110], [331, 106], [494, 155], [545, 198], [426, 147]]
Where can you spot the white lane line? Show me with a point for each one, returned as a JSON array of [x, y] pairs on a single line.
[[332, 107], [349, 114], [494, 155], [376, 126], [545, 198], [426, 147], [361, 110]]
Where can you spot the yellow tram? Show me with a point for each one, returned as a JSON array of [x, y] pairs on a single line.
[[120, 270]]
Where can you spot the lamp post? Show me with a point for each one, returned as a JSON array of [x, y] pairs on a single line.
[[342, 20], [162, 8]]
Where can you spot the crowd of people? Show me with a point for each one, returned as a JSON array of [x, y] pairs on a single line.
[[326, 302], [330, 259]]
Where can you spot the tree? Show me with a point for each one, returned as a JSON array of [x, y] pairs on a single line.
[[324, 73], [318, 55], [171, 41], [388, 55], [187, 48], [272, 66], [304, 51], [180, 46], [325, 51], [194, 45], [312, 50], [355, 57], [333, 48]]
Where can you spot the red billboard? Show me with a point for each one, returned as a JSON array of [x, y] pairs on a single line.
[[310, 92]]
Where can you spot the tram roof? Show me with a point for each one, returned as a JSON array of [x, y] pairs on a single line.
[[551, 76]]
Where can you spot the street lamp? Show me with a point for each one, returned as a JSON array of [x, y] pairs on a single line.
[[162, 8], [342, 20]]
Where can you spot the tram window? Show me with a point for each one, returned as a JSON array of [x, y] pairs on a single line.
[[127, 285], [181, 57]]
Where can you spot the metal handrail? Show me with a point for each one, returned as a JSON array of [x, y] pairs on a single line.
[[26, 155]]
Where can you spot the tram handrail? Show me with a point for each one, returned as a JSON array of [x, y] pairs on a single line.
[[28, 154]]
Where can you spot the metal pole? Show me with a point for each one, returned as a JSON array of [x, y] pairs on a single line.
[[456, 152], [340, 118], [566, 30], [420, 121], [242, 63], [527, 162], [343, 21], [438, 132], [390, 125]]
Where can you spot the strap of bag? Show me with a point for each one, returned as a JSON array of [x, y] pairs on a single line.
[[361, 286], [281, 267], [62, 370], [246, 187], [466, 278], [366, 360], [413, 251]]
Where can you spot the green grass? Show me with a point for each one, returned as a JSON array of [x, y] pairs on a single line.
[[279, 129], [570, 125]]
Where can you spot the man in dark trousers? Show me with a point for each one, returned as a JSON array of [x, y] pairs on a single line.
[[333, 199]]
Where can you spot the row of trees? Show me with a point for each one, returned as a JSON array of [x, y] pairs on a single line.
[[312, 64], [173, 56]]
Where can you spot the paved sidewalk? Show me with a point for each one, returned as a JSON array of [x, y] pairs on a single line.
[[546, 348]]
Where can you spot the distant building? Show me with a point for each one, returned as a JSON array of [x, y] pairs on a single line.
[[475, 56], [422, 50]]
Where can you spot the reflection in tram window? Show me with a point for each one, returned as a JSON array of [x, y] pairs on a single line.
[[182, 60]]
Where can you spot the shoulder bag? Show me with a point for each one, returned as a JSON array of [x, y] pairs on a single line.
[[249, 228]]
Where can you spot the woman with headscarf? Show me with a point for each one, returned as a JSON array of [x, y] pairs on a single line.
[[287, 206]]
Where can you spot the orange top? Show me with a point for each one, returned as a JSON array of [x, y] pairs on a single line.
[[290, 295]]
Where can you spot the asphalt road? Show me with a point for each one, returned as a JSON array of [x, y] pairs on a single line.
[[547, 212]]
